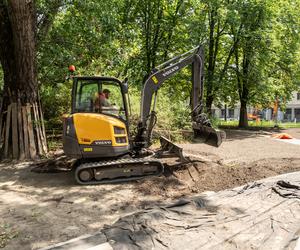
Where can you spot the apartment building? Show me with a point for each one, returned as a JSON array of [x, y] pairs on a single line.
[[290, 114]]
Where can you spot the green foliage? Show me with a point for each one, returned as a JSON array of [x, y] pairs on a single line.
[[259, 125], [173, 111], [250, 45], [56, 101]]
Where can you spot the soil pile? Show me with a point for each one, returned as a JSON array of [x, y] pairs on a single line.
[[198, 176]]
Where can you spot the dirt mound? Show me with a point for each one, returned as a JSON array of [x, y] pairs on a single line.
[[198, 176], [60, 163]]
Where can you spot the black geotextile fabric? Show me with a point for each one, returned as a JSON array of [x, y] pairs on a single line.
[[260, 215], [257, 216]]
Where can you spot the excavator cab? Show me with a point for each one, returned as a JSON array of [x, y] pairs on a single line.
[[98, 124], [99, 95]]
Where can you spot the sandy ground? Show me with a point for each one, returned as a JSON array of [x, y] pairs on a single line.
[[247, 146], [38, 210]]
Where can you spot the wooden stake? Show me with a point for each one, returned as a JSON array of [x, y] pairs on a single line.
[[7, 131], [25, 130], [15, 141], [1, 122], [3, 130], [32, 147], [21, 136], [43, 138], [42, 119], [38, 131]]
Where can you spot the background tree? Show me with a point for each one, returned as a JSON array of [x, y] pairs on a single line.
[[283, 66], [21, 118]]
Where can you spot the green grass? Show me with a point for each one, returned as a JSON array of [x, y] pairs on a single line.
[[261, 124], [7, 233], [289, 125]]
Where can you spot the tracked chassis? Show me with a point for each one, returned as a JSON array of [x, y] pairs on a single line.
[[104, 172]]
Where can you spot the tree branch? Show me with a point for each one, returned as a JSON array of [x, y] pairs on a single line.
[[45, 20]]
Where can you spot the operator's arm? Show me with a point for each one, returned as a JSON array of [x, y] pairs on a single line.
[[105, 102]]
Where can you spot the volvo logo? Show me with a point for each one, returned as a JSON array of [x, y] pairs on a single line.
[[170, 71], [102, 142]]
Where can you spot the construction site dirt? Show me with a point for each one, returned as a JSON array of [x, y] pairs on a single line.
[[40, 209]]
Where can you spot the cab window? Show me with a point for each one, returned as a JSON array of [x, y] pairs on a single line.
[[98, 96], [84, 94]]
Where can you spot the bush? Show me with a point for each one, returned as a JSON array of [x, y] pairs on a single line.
[[56, 101]]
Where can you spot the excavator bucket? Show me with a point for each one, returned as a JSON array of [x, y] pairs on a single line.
[[208, 135]]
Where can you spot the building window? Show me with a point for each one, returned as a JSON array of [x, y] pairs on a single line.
[[297, 112], [287, 114], [298, 96], [223, 113], [297, 115], [288, 111], [231, 113]]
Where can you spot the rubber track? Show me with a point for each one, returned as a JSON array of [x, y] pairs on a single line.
[[119, 162]]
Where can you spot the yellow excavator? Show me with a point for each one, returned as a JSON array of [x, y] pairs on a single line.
[[97, 130]]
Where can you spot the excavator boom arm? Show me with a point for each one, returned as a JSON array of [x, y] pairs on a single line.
[[201, 124], [165, 71]]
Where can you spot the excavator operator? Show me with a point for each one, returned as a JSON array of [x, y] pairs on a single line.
[[102, 100]]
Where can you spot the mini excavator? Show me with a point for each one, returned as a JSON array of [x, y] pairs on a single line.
[[99, 137]]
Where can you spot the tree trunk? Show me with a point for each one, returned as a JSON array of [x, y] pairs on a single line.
[[243, 122], [242, 81], [208, 103], [211, 62], [21, 115]]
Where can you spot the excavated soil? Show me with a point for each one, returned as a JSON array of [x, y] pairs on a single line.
[[202, 176]]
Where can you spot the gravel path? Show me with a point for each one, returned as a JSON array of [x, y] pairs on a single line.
[[247, 146]]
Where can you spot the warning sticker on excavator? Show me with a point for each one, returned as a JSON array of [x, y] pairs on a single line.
[[155, 79], [87, 149]]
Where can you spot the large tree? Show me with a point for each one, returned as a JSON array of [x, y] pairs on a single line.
[[21, 123], [251, 53]]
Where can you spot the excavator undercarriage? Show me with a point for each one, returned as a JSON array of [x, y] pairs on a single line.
[[129, 168], [115, 171]]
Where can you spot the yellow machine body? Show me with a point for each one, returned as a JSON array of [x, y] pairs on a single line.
[[94, 127], [91, 135]]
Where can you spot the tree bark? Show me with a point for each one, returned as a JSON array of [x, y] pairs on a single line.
[[242, 87], [17, 38], [18, 60], [243, 122], [211, 61], [208, 103]]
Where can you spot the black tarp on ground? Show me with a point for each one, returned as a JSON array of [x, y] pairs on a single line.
[[261, 215]]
